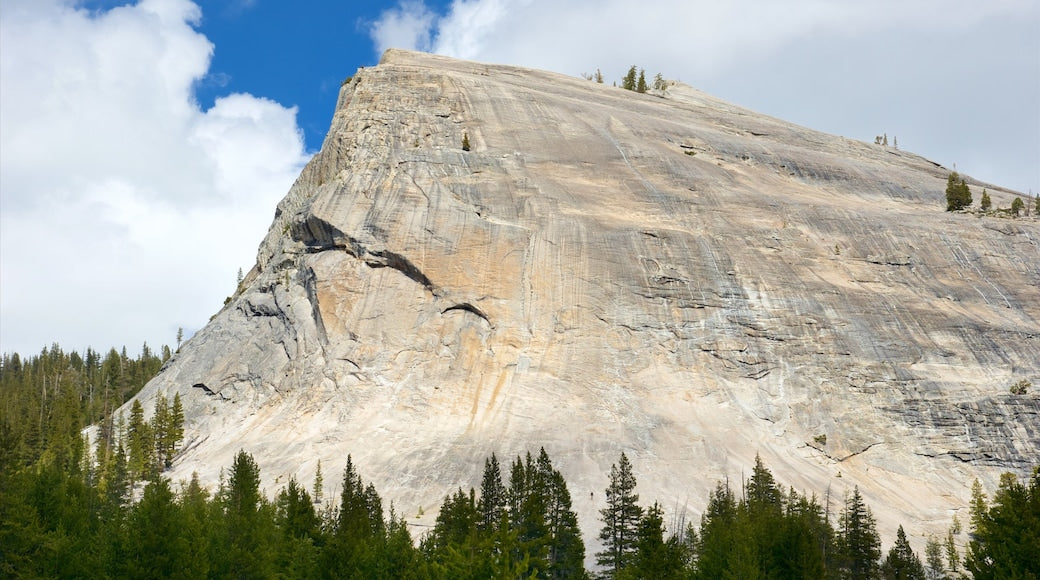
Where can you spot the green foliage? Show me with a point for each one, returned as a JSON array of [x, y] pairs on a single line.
[[766, 534], [933, 556], [620, 519], [958, 196], [654, 556], [1021, 387], [859, 546], [1017, 206], [1005, 535], [62, 515], [629, 81], [902, 563], [641, 86], [985, 203]]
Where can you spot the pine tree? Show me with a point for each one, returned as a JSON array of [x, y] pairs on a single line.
[[1017, 206], [902, 563], [986, 202], [654, 557], [566, 550], [300, 532], [641, 86], [859, 543], [718, 533], [247, 524], [629, 82], [156, 546], [176, 427], [360, 531], [141, 444], [933, 555], [160, 428], [958, 196], [620, 519], [1005, 542], [527, 508], [319, 485], [952, 557], [492, 503]]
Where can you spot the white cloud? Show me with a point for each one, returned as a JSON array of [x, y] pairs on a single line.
[[407, 26], [115, 182], [957, 80]]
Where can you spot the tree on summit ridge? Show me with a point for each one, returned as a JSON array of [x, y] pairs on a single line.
[[958, 196]]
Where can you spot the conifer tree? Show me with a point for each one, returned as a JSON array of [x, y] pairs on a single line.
[[933, 555], [319, 485], [958, 196], [629, 82], [1004, 541], [654, 557], [902, 563], [156, 546], [641, 86], [985, 203], [141, 444], [1017, 206], [248, 527], [300, 533], [859, 543], [527, 507], [620, 519], [492, 503], [566, 550], [718, 535]]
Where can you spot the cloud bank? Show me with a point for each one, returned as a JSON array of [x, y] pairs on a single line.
[[115, 181]]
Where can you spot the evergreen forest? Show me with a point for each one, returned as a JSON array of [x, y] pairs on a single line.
[[94, 503]]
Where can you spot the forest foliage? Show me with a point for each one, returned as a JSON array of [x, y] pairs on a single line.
[[68, 511]]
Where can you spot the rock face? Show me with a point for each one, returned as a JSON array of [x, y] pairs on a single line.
[[663, 274]]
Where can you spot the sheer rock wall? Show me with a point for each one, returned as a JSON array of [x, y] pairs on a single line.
[[664, 274]]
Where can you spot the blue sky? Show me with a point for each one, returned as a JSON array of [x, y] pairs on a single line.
[[296, 53], [144, 145]]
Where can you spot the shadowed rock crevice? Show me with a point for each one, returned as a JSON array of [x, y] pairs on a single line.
[[467, 307], [388, 259]]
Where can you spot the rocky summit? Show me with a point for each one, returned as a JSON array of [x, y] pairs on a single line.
[[487, 258]]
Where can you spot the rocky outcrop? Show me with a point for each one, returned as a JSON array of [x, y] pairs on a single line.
[[664, 274]]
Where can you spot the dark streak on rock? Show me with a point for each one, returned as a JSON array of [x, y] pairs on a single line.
[[467, 307]]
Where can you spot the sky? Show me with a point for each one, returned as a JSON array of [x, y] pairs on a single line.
[[144, 145]]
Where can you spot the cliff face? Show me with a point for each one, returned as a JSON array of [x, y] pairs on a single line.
[[668, 275]]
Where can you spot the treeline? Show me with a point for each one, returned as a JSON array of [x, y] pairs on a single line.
[[48, 399], [60, 524], [65, 512]]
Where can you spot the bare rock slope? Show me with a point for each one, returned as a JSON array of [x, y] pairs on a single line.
[[664, 274]]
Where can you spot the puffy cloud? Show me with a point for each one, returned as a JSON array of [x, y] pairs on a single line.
[[955, 80], [115, 181], [406, 26]]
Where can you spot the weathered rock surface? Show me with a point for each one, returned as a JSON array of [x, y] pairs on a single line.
[[668, 275]]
